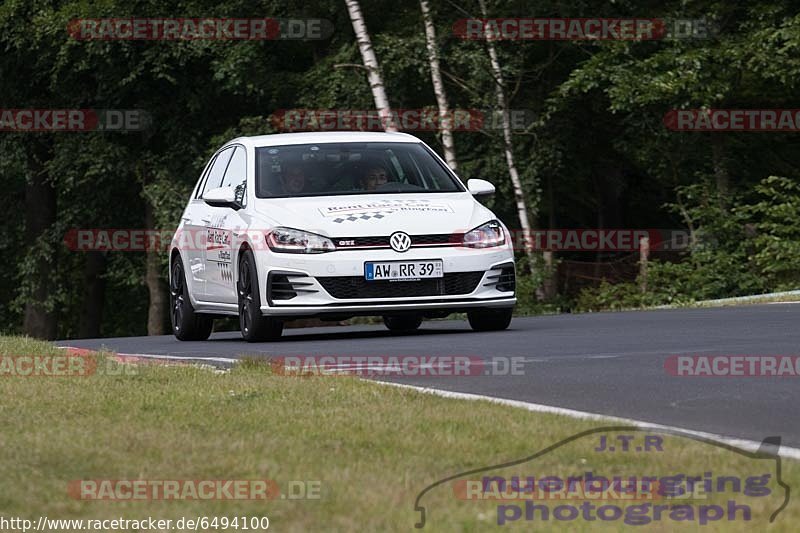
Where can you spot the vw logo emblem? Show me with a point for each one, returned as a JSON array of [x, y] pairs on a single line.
[[399, 241]]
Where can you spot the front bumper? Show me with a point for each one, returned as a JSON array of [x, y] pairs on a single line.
[[334, 283]]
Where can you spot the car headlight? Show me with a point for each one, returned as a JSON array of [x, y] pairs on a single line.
[[294, 241], [486, 236]]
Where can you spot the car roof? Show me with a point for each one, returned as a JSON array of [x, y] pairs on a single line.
[[282, 139]]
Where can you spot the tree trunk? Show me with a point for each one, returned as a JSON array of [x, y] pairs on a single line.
[[601, 224], [157, 288], [644, 254], [550, 285], [446, 123], [40, 215], [371, 64], [519, 195], [94, 295], [721, 175]]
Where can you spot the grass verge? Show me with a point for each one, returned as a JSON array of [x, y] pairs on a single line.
[[371, 449]]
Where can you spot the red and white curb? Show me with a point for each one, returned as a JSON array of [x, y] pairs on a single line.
[[142, 358]]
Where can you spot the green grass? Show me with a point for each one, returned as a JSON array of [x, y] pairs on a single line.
[[373, 448], [767, 298]]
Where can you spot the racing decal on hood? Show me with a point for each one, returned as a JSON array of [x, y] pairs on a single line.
[[380, 209], [352, 217]]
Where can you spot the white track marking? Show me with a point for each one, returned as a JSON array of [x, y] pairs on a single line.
[[744, 444]]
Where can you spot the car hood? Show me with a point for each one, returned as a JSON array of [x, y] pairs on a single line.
[[376, 214]]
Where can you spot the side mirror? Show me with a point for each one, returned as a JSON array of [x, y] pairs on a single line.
[[480, 187], [222, 197]]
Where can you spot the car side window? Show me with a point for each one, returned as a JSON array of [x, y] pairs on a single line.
[[217, 171], [236, 175], [201, 182]]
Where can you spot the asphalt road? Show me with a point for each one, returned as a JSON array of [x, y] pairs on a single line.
[[609, 363]]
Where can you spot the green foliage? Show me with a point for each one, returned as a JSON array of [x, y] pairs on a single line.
[[752, 247], [775, 219], [667, 284], [530, 278]]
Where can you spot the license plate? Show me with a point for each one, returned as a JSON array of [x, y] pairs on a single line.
[[403, 270]]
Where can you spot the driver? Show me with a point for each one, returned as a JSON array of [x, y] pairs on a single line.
[[374, 177], [294, 181]]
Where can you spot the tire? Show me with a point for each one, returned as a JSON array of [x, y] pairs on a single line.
[[255, 327], [402, 322], [490, 319], [187, 325]]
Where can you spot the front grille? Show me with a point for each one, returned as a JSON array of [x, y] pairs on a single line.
[[356, 287], [423, 240], [383, 242], [362, 241]]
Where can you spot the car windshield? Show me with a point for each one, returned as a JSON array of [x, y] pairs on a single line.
[[334, 169]]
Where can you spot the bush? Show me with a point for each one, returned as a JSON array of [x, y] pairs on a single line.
[[749, 247], [775, 218]]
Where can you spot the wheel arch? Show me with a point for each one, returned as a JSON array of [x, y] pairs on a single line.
[[187, 279], [240, 250]]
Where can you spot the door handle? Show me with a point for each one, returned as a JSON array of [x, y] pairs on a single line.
[[205, 220]]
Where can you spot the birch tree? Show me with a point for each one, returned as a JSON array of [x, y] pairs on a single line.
[[502, 103], [445, 120], [371, 65]]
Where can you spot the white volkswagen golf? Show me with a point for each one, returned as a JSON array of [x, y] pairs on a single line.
[[335, 225]]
